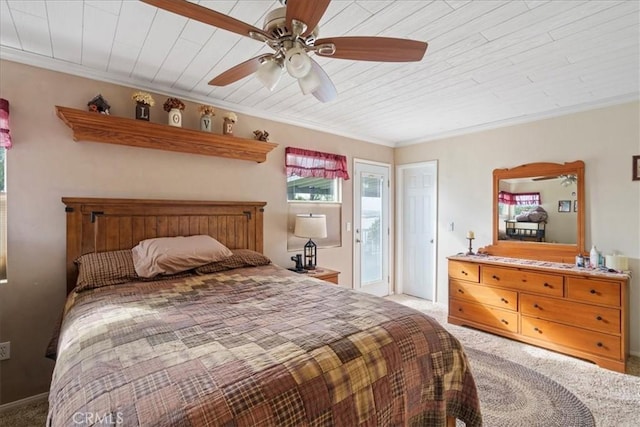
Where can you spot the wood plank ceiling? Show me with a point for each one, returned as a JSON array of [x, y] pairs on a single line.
[[489, 63]]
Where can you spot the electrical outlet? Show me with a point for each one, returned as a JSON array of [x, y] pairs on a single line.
[[5, 350]]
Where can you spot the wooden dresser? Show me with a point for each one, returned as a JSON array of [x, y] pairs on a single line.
[[580, 312]]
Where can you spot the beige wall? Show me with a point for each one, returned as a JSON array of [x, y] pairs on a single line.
[[45, 164], [605, 139]]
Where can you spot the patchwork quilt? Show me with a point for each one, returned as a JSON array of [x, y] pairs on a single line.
[[257, 346]]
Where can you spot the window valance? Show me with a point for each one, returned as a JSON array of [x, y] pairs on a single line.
[[308, 163], [519, 198], [5, 132]]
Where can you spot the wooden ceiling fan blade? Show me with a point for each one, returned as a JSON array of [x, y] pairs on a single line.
[[544, 178], [206, 15], [381, 49], [238, 72], [308, 11], [327, 91]]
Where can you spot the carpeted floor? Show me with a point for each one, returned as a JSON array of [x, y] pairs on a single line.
[[612, 398]]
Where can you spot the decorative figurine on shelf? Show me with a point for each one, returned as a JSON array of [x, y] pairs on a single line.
[[229, 120], [99, 105], [144, 102], [174, 107], [261, 135], [470, 237], [206, 118]]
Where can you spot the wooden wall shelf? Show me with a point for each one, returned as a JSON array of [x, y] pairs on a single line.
[[88, 126]]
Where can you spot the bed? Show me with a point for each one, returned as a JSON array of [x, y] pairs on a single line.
[[245, 346], [525, 230]]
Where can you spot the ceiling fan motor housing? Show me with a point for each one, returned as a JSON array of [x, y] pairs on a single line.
[[275, 24]]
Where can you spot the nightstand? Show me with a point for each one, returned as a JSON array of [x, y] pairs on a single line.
[[324, 274]]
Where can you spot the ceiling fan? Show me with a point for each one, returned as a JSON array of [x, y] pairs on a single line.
[[566, 179], [291, 31]]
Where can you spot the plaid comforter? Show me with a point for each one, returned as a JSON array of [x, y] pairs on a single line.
[[254, 346]]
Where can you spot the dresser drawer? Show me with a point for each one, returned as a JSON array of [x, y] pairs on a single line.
[[464, 270], [570, 336], [593, 291], [522, 280], [500, 298], [494, 317], [601, 319]]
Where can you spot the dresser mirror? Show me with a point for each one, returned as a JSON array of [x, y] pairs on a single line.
[[538, 211]]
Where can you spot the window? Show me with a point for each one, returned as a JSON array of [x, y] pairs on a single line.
[[314, 185], [312, 189], [313, 176], [517, 203]]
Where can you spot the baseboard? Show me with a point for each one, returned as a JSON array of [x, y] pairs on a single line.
[[27, 400]]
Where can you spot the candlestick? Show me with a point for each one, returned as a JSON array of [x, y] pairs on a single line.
[[470, 239], [471, 235]]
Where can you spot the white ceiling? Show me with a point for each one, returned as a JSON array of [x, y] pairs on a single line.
[[489, 63]]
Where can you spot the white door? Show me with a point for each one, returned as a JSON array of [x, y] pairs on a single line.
[[371, 227], [417, 204]]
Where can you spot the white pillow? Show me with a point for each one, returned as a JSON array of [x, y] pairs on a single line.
[[170, 255]]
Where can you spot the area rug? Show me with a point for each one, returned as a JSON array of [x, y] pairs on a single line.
[[513, 395]]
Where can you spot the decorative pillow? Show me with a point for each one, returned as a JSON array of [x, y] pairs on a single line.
[[240, 258], [98, 269], [169, 255]]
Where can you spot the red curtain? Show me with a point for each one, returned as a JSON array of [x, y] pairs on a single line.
[[308, 163], [519, 198], [5, 133]]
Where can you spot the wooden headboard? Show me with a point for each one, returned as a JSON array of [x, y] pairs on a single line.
[[98, 225]]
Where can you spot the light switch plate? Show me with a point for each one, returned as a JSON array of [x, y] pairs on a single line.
[[5, 350]]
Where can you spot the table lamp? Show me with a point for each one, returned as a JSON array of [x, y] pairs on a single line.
[[311, 226]]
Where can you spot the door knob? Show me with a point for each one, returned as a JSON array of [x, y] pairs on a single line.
[[357, 240]]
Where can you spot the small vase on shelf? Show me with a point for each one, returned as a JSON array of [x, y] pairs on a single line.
[[174, 107], [229, 120], [142, 111], [175, 117], [206, 118], [144, 102], [227, 127], [206, 122]]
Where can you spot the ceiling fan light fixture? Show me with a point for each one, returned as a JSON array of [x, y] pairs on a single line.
[[309, 83], [269, 73], [297, 62]]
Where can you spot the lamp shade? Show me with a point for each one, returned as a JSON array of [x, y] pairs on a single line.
[[311, 226], [297, 62], [269, 73]]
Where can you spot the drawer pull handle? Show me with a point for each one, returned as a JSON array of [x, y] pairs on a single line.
[[461, 291], [600, 344], [592, 291], [536, 306], [599, 318], [495, 277], [524, 280], [504, 321], [464, 272], [504, 300], [546, 285], [537, 330], [460, 309]]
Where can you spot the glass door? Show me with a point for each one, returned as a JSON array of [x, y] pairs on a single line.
[[371, 228]]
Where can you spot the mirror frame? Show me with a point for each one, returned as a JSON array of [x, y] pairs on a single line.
[[557, 252]]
